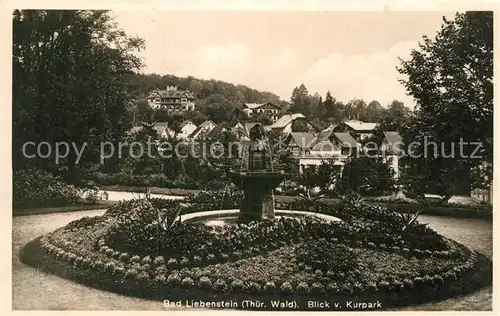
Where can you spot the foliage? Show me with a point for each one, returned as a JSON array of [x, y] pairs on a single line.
[[451, 78], [368, 176], [34, 187], [326, 256], [56, 98]]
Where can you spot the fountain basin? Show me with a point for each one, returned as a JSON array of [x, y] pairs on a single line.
[[230, 217]]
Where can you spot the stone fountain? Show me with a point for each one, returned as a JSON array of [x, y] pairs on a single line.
[[257, 179]]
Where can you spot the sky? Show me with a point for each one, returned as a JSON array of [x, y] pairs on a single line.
[[350, 54]]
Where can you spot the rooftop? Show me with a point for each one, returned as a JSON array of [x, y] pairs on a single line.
[[287, 119], [361, 126]]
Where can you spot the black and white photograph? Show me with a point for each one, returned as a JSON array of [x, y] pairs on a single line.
[[225, 159]]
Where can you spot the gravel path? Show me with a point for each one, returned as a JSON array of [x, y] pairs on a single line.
[[35, 290]]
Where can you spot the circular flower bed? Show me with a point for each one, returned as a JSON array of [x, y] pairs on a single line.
[[139, 248]]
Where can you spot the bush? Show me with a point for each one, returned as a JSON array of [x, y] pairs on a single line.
[[34, 187]]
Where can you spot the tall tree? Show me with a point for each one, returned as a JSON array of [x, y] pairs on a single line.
[[299, 100], [395, 117], [68, 83], [451, 79]]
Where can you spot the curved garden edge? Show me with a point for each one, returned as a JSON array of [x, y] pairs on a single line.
[[33, 255]]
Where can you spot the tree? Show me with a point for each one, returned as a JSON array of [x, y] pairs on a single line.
[[367, 176], [374, 112], [329, 106], [395, 117], [69, 70], [300, 125], [320, 178], [196, 86], [451, 79], [299, 100]]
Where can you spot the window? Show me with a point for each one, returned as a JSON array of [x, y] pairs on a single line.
[[183, 100], [345, 150]]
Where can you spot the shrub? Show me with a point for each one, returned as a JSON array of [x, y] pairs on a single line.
[[254, 287], [237, 286], [146, 260], [332, 288], [270, 287], [286, 287], [205, 283], [174, 279], [159, 261], [317, 288], [302, 288], [34, 187], [220, 286], [172, 263], [187, 282]]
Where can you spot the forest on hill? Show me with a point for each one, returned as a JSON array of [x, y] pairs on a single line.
[[221, 102]]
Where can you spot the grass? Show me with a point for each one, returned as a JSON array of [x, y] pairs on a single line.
[[62, 209]]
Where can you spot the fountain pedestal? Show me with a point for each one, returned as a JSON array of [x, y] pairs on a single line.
[[258, 179], [257, 186]]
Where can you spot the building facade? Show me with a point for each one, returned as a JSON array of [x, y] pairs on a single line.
[[268, 109], [175, 101]]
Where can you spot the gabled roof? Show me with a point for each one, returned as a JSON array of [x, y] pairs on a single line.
[[361, 126], [200, 127], [346, 139], [159, 127], [330, 128], [287, 119], [254, 106], [171, 94], [186, 122], [303, 140], [325, 145], [324, 134]]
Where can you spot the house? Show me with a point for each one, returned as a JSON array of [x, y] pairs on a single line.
[[359, 130], [175, 101], [202, 130], [391, 150], [185, 129], [314, 148], [284, 123], [483, 195], [161, 129], [299, 143], [268, 109]]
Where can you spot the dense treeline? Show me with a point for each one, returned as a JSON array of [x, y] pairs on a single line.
[[221, 102]]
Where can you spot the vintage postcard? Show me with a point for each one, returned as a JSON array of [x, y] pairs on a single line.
[[231, 157]]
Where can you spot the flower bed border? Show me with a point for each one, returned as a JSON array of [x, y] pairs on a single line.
[[138, 279], [390, 294]]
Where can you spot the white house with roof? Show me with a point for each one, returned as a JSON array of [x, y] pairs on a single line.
[[186, 128], [358, 129], [203, 129], [269, 109], [284, 123], [174, 100]]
